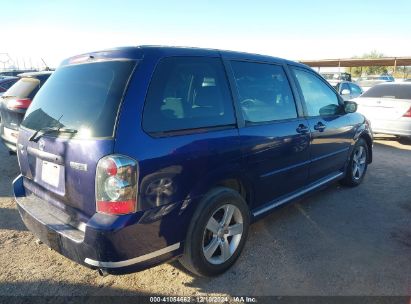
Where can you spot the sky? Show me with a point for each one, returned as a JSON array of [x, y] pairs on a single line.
[[296, 30]]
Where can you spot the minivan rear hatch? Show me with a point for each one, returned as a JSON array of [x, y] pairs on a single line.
[[69, 126]]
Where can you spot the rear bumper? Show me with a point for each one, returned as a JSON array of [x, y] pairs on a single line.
[[400, 127], [100, 243], [9, 138]]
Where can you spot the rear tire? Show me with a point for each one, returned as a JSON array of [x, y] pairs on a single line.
[[217, 233], [357, 164]]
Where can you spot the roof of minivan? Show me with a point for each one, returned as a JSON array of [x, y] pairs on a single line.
[[139, 52], [35, 74]]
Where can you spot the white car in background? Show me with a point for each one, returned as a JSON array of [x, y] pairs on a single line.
[[388, 107]]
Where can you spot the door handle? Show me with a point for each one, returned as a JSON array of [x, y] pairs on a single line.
[[302, 129], [319, 126]]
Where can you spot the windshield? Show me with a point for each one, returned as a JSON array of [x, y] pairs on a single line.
[[83, 97], [399, 91], [23, 88]]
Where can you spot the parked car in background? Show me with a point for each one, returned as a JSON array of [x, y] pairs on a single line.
[[348, 90], [133, 156], [366, 82], [407, 80], [14, 104], [335, 77], [16, 72], [6, 82], [388, 77], [388, 107]]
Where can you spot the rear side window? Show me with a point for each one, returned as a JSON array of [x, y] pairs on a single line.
[[84, 97], [320, 99], [264, 92], [188, 93], [397, 91]]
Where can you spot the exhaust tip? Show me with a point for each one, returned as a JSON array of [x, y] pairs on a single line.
[[102, 272]]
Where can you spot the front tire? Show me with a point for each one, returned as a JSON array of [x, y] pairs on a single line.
[[217, 233], [357, 164]]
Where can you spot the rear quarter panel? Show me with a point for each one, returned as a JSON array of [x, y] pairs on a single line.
[[174, 171]]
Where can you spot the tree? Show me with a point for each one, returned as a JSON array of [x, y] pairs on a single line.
[[370, 70], [403, 72]]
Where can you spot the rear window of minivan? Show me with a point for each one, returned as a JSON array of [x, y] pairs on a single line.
[[84, 97]]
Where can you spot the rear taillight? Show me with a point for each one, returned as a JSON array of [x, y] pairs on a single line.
[[19, 104], [116, 185], [408, 113]]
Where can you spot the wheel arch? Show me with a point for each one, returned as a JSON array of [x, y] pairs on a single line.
[[239, 185], [364, 135]]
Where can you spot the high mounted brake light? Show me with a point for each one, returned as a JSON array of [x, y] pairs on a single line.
[[80, 59]]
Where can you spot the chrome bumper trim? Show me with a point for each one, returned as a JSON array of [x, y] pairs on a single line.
[[135, 260]]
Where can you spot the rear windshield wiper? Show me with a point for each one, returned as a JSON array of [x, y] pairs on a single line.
[[39, 133]]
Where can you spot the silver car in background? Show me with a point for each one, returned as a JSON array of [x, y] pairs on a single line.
[[388, 107]]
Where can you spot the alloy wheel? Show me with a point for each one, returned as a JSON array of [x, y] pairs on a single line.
[[359, 162], [222, 234]]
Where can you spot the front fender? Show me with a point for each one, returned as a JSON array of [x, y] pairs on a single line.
[[363, 130]]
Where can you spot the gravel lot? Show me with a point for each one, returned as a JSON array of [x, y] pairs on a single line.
[[336, 242]]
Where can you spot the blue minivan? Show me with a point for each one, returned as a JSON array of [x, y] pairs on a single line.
[[133, 156]]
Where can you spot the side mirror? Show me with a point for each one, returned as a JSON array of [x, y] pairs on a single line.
[[345, 92], [350, 107]]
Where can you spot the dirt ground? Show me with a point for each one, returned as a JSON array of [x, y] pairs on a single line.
[[336, 242]]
